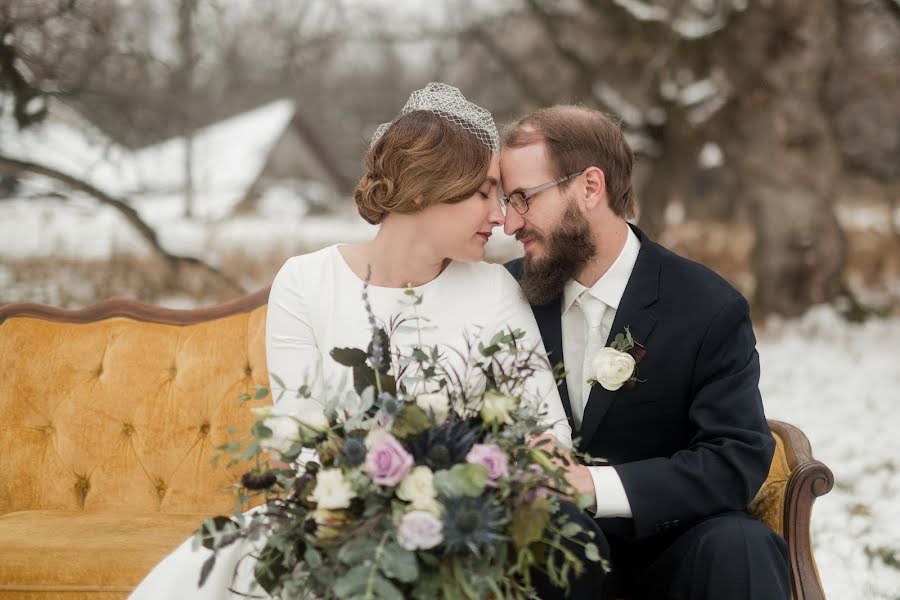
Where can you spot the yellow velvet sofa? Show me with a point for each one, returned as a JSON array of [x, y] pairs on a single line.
[[111, 416]]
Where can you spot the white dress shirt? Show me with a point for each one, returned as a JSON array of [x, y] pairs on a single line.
[[587, 317]]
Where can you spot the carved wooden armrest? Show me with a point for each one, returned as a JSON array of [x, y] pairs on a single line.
[[809, 479]]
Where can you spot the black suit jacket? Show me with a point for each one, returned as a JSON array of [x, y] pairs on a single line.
[[691, 440]]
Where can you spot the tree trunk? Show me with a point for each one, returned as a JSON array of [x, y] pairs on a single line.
[[786, 156], [670, 174]]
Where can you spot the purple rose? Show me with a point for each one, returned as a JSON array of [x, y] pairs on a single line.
[[387, 462], [492, 458], [420, 530]]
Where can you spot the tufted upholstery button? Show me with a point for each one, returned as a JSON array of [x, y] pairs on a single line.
[[99, 371], [127, 429], [161, 488], [204, 429], [173, 371], [248, 371], [82, 487]]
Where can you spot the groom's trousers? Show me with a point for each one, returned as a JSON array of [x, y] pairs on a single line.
[[732, 555], [729, 556]]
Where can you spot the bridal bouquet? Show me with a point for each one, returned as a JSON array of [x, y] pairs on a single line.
[[406, 493]]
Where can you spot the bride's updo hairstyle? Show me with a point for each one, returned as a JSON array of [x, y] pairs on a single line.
[[437, 150], [422, 159]]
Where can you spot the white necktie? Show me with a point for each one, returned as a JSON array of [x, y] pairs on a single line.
[[592, 309]]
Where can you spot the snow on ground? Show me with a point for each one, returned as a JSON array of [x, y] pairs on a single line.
[[840, 384]]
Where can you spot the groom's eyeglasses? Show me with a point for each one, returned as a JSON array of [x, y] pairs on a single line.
[[519, 200]]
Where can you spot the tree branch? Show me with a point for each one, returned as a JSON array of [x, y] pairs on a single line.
[[510, 65], [586, 72], [12, 166]]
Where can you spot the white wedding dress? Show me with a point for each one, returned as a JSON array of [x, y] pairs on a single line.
[[315, 305]]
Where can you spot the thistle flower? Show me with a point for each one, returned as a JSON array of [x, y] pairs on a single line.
[[444, 446], [390, 403], [354, 451], [473, 525]]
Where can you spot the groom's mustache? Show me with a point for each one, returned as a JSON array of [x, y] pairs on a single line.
[[529, 234]]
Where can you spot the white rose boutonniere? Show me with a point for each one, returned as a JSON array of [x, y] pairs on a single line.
[[615, 366]]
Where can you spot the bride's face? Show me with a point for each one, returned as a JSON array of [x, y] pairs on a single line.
[[460, 231]]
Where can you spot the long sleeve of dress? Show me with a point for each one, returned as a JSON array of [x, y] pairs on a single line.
[[292, 354], [512, 311]]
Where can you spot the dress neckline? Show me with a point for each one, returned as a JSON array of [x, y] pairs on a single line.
[[351, 273]]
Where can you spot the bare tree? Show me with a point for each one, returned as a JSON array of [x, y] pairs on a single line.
[[749, 77]]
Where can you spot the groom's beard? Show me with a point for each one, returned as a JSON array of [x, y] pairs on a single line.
[[569, 247]]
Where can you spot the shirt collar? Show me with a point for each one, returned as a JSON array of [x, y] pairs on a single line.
[[610, 288]]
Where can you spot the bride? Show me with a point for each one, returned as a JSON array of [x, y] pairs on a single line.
[[432, 185]]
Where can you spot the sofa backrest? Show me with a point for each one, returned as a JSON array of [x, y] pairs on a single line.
[[121, 407]]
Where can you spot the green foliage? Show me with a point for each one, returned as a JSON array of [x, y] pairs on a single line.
[[529, 521], [461, 480], [492, 533], [412, 420]]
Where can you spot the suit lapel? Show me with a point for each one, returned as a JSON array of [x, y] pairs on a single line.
[[550, 324], [634, 312]]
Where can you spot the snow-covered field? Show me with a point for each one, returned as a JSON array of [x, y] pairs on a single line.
[[839, 382]]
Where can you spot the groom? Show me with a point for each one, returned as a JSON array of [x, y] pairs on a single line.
[[680, 420]]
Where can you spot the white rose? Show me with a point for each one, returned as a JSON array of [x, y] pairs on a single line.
[[418, 487], [285, 432], [289, 428], [612, 368], [332, 491], [434, 403], [432, 506], [497, 407], [314, 420]]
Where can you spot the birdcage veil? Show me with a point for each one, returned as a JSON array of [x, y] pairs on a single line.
[[448, 102]]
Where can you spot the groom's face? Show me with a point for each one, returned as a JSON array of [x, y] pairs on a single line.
[[555, 234], [521, 169]]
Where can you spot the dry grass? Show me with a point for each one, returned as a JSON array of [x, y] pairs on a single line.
[[873, 270]]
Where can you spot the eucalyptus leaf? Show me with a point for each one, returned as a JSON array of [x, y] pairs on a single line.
[[398, 563], [385, 589], [260, 430], [591, 552], [312, 558], [529, 521], [357, 550], [461, 480], [278, 381], [206, 569], [210, 527], [411, 420], [584, 501], [353, 582]]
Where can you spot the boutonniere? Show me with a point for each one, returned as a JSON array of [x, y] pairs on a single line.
[[615, 366]]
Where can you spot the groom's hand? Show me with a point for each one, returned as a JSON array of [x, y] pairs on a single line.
[[577, 476]]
